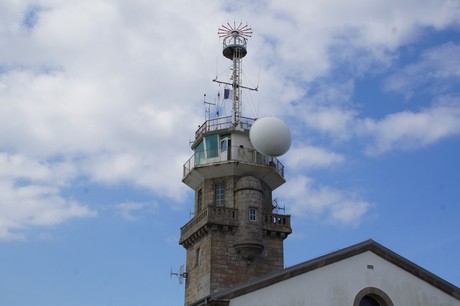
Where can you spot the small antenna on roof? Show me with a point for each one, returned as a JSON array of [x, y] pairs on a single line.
[[207, 108], [181, 275], [276, 207]]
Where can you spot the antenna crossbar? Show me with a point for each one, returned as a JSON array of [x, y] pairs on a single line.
[[241, 86]]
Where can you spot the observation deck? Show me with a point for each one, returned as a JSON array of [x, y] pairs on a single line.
[[239, 158], [234, 45]]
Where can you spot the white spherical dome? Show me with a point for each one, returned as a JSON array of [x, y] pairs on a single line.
[[270, 136]]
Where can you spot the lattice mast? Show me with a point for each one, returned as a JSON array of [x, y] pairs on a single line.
[[234, 48]]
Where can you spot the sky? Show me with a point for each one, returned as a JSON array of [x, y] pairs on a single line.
[[99, 100]]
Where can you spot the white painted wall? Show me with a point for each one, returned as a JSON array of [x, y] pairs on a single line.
[[337, 285], [241, 139]]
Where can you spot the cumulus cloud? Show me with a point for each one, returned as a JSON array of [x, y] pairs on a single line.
[[410, 130], [30, 195], [111, 90], [324, 203], [312, 157], [438, 69]]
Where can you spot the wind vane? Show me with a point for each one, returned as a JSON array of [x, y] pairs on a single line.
[[229, 31]]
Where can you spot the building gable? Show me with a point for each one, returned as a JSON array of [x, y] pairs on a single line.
[[337, 278]]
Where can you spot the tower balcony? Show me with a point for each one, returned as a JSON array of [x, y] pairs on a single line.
[[273, 224], [277, 224], [238, 161], [223, 148], [211, 215]]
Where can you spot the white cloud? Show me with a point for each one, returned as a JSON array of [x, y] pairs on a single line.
[[30, 195], [350, 211], [326, 203], [411, 130], [21, 167], [333, 121], [31, 205], [438, 69], [312, 157], [111, 90]]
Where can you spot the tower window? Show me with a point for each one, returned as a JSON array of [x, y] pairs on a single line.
[[223, 145], [211, 145], [199, 201], [219, 194], [252, 214], [197, 257], [199, 154]]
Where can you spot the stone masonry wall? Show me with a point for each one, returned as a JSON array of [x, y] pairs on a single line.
[[213, 262], [228, 269], [198, 263]]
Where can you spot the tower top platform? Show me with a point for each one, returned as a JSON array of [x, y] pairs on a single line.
[[234, 40]]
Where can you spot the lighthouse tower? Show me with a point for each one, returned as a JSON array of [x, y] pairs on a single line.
[[234, 235]]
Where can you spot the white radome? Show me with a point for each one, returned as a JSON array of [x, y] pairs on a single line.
[[270, 136]]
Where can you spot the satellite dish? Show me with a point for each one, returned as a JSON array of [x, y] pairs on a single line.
[[270, 136]]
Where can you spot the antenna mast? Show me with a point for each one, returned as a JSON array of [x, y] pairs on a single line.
[[234, 48]]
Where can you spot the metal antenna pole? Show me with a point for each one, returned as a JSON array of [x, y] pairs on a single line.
[[234, 44], [236, 113]]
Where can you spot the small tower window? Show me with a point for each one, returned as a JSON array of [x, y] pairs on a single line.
[[199, 201], [219, 194], [197, 257], [252, 214]]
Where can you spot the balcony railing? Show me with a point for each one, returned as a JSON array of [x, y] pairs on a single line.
[[222, 123], [234, 153], [225, 216], [210, 215], [277, 223]]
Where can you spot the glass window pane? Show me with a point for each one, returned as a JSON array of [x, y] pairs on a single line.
[[223, 145], [199, 154], [219, 192], [252, 214], [211, 145]]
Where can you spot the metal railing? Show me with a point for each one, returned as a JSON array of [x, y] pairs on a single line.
[[240, 154], [222, 123]]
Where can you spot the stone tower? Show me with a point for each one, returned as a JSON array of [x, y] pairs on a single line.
[[234, 235]]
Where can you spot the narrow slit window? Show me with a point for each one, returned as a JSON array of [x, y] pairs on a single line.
[[199, 201], [197, 257]]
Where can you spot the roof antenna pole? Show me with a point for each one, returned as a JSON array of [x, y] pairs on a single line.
[[234, 48], [207, 108]]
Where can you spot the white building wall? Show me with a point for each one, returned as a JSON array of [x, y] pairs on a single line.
[[240, 139], [338, 283]]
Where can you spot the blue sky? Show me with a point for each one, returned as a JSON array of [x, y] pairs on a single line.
[[99, 100]]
